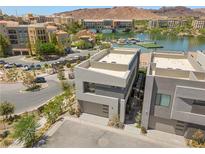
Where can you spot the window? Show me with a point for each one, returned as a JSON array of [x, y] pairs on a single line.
[[89, 87], [163, 100]]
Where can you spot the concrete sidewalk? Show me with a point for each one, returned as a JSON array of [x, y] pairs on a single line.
[[171, 140]]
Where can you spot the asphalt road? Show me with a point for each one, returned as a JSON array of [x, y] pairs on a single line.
[[76, 135], [21, 59], [25, 101]]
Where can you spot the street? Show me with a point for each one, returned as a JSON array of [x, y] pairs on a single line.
[[21, 59], [25, 101]]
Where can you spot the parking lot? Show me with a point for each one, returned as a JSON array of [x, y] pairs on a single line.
[[73, 134]]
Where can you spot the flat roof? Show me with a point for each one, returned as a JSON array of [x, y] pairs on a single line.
[[117, 58], [173, 63], [108, 72]]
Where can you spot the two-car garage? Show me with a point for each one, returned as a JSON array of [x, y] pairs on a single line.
[[94, 108]]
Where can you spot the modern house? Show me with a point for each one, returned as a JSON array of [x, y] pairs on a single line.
[[174, 98], [104, 82]]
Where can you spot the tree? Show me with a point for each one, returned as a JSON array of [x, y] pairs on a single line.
[[82, 44], [46, 48], [4, 43], [6, 109], [54, 39], [61, 74], [28, 80], [73, 28], [25, 130]]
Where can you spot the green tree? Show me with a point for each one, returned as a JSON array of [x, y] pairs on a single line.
[[28, 80], [73, 28], [46, 48], [54, 39], [25, 130], [82, 44], [4, 44], [6, 109]]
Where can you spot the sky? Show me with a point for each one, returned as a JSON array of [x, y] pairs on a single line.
[[48, 10]]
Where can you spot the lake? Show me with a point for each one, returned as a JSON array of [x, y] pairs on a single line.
[[170, 43]]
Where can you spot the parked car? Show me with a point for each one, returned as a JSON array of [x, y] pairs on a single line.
[[40, 80], [18, 65], [2, 62], [26, 68], [38, 67], [8, 66]]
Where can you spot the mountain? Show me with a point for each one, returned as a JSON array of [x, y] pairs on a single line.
[[200, 10], [178, 11], [111, 13]]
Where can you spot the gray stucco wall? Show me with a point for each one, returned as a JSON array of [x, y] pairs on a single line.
[[158, 117]]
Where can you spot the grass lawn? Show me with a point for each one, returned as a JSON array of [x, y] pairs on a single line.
[[150, 45]]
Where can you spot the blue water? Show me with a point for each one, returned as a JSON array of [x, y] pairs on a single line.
[[170, 43]]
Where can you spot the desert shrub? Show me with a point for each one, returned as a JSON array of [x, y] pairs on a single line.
[[138, 119], [35, 87], [143, 130], [115, 122]]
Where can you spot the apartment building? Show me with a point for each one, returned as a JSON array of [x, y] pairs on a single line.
[[174, 99], [170, 23], [108, 24], [198, 24], [123, 24], [63, 20], [37, 32], [104, 82], [62, 38], [94, 24], [18, 37], [33, 19]]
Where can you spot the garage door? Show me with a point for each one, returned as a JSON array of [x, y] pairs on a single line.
[[96, 109]]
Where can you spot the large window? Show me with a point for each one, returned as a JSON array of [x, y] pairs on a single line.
[[163, 100], [89, 87]]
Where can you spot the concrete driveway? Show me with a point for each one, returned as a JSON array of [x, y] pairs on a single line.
[[25, 101], [73, 134]]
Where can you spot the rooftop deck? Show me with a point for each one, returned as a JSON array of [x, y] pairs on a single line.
[[172, 63], [114, 62]]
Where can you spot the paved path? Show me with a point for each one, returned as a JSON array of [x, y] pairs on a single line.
[[27, 100]]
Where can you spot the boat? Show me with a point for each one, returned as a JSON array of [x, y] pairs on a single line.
[[121, 42]]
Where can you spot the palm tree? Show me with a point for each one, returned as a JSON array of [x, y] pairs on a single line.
[[25, 130]]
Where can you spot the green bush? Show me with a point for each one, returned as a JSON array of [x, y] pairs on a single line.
[[82, 44]]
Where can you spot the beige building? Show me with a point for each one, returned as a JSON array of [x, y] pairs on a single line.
[[37, 32], [198, 24], [18, 37], [63, 20], [166, 23], [107, 24]]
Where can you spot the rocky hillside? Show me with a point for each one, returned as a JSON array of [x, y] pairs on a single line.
[[112, 13], [178, 11]]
